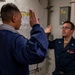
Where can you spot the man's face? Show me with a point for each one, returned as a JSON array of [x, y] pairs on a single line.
[[66, 30]]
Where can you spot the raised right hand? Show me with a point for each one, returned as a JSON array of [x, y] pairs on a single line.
[[48, 29], [33, 19]]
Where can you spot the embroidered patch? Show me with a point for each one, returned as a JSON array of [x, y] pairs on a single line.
[[71, 51]]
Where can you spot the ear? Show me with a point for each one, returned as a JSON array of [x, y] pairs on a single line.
[[14, 18], [72, 31]]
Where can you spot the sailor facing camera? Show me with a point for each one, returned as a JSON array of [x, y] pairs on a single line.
[[64, 50]]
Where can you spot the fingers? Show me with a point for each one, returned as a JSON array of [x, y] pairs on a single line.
[[32, 15], [48, 29], [48, 26], [33, 19]]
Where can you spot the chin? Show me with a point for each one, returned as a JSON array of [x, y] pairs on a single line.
[[17, 28], [63, 35]]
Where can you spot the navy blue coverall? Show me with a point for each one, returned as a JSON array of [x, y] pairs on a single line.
[[64, 57], [17, 52]]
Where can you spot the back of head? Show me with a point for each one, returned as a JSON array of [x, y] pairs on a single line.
[[7, 11]]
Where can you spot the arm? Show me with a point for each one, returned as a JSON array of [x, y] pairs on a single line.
[[51, 44], [34, 50], [47, 31]]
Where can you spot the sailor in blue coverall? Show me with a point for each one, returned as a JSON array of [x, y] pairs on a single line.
[[64, 50], [16, 51]]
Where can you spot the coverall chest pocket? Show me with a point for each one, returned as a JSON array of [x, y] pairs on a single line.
[[71, 53]]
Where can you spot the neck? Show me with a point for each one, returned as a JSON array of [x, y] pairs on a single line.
[[9, 23], [67, 39]]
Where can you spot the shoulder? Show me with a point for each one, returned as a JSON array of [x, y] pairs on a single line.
[[58, 39], [73, 40], [9, 34]]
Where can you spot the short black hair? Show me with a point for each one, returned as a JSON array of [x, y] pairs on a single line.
[[7, 11], [72, 25]]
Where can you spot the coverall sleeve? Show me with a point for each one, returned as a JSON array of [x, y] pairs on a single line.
[[34, 50], [51, 44]]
